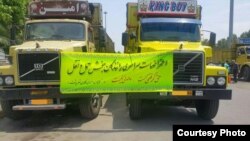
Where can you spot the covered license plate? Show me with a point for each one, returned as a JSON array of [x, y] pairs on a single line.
[[182, 93], [41, 101]]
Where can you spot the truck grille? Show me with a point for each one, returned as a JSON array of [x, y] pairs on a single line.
[[42, 67], [188, 68]]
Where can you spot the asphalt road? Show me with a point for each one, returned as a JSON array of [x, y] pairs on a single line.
[[113, 123]]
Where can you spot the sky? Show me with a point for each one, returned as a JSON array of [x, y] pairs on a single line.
[[215, 17]]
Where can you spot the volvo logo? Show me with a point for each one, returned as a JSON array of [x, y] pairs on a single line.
[[181, 68], [38, 67]]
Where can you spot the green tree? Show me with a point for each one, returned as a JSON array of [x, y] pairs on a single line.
[[205, 42], [18, 10], [5, 19], [245, 34], [4, 36], [12, 15], [223, 43]]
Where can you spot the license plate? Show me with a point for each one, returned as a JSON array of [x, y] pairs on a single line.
[[39, 92], [182, 93], [41, 101]]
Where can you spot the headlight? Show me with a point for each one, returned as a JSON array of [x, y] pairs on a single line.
[[210, 81], [9, 80], [221, 81], [1, 81]]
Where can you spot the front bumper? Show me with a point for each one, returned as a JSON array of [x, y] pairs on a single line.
[[36, 93], [196, 94], [52, 93]]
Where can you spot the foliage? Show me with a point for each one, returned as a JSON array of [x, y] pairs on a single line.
[[205, 42], [245, 34], [223, 43], [5, 14], [4, 35], [12, 14]]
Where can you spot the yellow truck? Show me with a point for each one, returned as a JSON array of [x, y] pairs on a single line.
[[240, 53], [174, 25], [32, 79]]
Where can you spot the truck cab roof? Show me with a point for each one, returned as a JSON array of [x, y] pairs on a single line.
[[55, 20]]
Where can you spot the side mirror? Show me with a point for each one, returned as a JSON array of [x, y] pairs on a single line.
[[8, 59], [2, 56], [4, 59], [212, 40], [102, 35], [132, 35], [13, 35], [125, 39]]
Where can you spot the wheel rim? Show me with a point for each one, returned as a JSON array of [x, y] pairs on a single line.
[[95, 100], [245, 74]]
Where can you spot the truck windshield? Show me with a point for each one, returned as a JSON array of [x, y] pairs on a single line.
[[55, 31], [170, 32]]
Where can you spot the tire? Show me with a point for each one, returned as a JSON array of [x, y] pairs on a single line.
[[246, 73], [135, 109], [90, 107], [207, 109], [14, 115], [127, 100]]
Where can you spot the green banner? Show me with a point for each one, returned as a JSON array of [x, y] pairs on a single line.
[[114, 73]]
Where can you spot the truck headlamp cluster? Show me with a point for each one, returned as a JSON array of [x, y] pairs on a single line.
[[9, 80], [6, 80], [211, 81], [216, 81], [221, 81]]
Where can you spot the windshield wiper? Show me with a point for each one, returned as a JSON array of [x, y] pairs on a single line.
[[36, 37], [55, 36]]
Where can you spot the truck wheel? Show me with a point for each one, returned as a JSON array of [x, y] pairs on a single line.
[[207, 109], [135, 109], [14, 115], [127, 100], [90, 107], [246, 73]]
